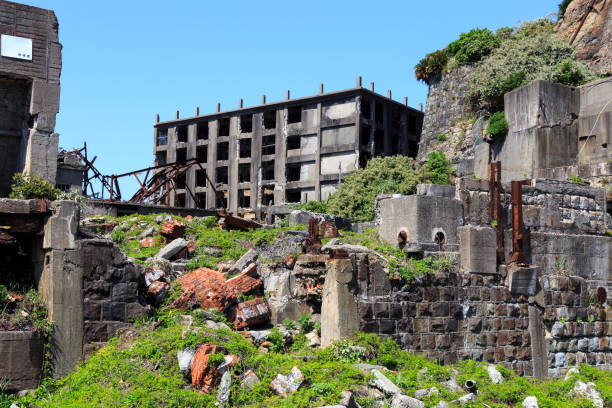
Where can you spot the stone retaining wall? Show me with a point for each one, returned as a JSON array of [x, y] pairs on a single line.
[[21, 357]]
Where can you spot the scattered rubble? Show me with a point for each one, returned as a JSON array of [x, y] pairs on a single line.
[[203, 376], [250, 380], [530, 402], [185, 360], [173, 248], [589, 392], [173, 229], [384, 384], [251, 313], [404, 401], [494, 374]]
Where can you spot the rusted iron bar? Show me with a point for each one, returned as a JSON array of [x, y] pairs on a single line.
[[586, 14], [518, 235], [495, 208]]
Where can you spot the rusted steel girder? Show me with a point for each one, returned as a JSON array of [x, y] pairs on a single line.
[[495, 208], [518, 235]]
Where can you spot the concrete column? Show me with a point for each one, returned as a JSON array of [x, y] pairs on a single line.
[[213, 129], [538, 342], [317, 179], [339, 310], [232, 166], [387, 127], [190, 176], [171, 157], [256, 161], [41, 154], [358, 124], [281, 156]]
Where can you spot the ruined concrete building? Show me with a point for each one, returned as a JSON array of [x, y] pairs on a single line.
[[30, 68], [291, 151]]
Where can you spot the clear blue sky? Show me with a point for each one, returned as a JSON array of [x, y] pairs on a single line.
[[125, 61]]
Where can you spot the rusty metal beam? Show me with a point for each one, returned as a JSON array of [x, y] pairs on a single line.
[[495, 208], [518, 234]]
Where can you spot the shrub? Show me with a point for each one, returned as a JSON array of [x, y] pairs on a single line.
[[26, 187], [289, 324], [314, 206], [472, 46], [277, 339], [437, 169], [563, 7], [354, 199], [347, 351], [571, 72], [432, 65], [305, 324], [441, 137], [498, 126]]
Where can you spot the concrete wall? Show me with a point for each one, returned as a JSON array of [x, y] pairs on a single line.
[[31, 91], [22, 355]]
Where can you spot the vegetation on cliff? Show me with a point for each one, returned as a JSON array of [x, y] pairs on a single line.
[[506, 60]]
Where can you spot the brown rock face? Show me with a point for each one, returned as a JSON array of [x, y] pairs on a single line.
[[593, 40]]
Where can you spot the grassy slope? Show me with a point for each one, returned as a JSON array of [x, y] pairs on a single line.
[[140, 370]]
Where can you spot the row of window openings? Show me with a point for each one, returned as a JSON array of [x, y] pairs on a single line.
[[294, 115], [244, 198]]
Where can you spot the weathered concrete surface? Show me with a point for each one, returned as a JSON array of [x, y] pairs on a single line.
[[303, 217], [478, 249], [423, 218], [61, 228], [436, 190], [522, 280], [339, 310], [21, 354]]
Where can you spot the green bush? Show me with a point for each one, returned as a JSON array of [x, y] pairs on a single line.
[[442, 137], [571, 72], [354, 199], [314, 206], [563, 7], [472, 46], [289, 324], [277, 339], [216, 359], [498, 126], [26, 187], [305, 324]]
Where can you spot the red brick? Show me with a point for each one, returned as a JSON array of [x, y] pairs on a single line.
[[206, 288], [250, 313], [203, 377]]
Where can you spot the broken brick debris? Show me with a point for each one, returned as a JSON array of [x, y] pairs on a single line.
[[203, 376], [250, 313], [173, 229], [148, 242], [243, 283], [328, 230], [290, 262], [153, 274], [204, 287], [284, 385], [191, 246]]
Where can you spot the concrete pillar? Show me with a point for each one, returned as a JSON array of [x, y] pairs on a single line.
[[232, 165], [317, 180], [339, 310], [320, 88], [281, 155], [263, 99], [537, 334], [213, 130], [171, 157], [359, 81], [256, 160], [372, 86], [191, 154]]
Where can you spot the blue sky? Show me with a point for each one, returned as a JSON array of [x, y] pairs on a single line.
[[125, 61]]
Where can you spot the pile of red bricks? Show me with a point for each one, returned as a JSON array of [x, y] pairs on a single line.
[[250, 313], [173, 229], [204, 287], [203, 376]]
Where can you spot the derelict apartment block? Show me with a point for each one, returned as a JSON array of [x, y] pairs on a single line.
[[291, 151]]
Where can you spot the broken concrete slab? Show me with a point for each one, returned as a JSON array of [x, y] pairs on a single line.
[[251, 313], [384, 384], [173, 248], [494, 375], [185, 359], [303, 217], [243, 262], [250, 380], [404, 401], [284, 385], [478, 246], [522, 279]]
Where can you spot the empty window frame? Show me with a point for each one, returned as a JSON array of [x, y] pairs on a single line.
[[379, 142], [246, 123], [365, 135], [267, 170], [202, 154], [267, 195], [268, 144], [294, 114], [293, 172], [294, 195], [413, 148], [200, 200], [180, 181], [412, 124], [378, 114], [202, 131], [222, 151], [244, 148], [160, 158], [181, 133], [162, 137], [269, 119], [221, 175], [366, 108], [224, 127], [179, 200], [244, 172], [181, 155], [244, 198], [293, 142], [200, 178]]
